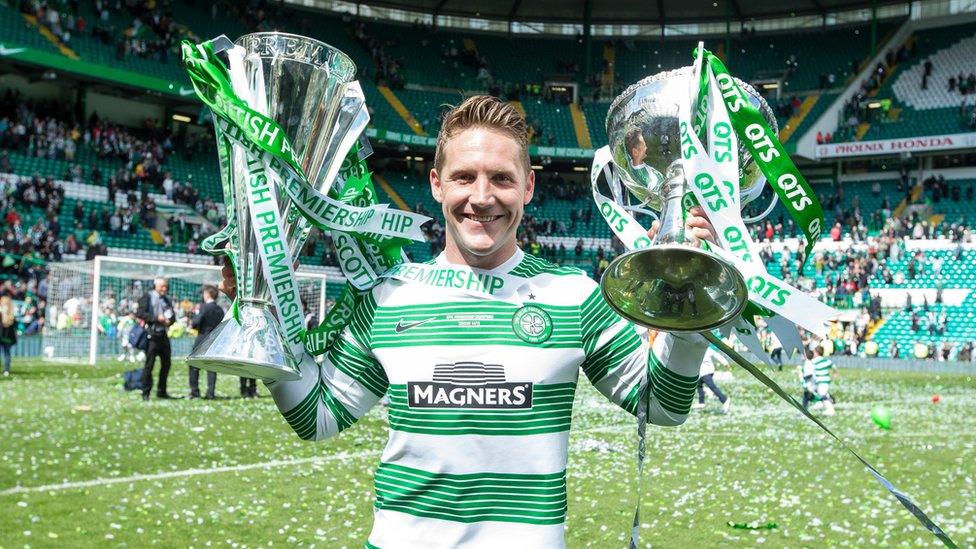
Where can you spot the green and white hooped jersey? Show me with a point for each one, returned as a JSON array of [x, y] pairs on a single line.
[[821, 369], [481, 394]]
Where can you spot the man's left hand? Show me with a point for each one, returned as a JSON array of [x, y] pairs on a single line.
[[697, 228]]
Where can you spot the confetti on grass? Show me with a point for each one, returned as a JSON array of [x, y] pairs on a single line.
[[760, 461]]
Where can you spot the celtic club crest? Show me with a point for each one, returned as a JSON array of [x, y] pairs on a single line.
[[532, 324]]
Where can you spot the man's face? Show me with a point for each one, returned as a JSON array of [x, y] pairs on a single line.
[[639, 151], [162, 287], [483, 187]]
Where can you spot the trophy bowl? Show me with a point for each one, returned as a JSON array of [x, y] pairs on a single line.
[[643, 130]]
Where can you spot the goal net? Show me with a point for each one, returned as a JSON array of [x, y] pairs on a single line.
[[92, 304]]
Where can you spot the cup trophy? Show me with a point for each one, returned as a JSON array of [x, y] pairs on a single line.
[[308, 88], [669, 286]]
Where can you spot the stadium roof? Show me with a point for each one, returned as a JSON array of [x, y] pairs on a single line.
[[629, 11]]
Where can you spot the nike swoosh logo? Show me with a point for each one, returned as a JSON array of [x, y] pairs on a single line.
[[4, 51], [401, 327], [185, 92]]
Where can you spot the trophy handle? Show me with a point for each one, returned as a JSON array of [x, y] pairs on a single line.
[[645, 211], [765, 214]]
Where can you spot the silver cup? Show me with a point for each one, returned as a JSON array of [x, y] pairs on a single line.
[[670, 285], [311, 93]]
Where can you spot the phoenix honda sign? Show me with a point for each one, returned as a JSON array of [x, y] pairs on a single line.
[[929, 143]]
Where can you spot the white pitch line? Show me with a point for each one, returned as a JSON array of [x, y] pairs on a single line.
[[738, 434], [175, 474]]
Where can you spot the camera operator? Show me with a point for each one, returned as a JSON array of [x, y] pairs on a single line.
[[156, 311]]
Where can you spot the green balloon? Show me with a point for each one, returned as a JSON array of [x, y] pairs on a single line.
[[881, 416]]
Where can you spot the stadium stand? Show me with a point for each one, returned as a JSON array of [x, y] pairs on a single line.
[[23, 32], [922, 104]]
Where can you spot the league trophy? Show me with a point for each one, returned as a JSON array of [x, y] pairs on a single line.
[[307, 87], [669, 286]]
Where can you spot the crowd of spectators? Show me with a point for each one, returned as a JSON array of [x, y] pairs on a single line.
[[139, 28], [862, 107], [45, 129], [962, 84], [38, 228], [388, 69]]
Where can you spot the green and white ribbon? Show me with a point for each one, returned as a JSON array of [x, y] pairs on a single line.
[[627, 229], [276, 258], [766, 150], [228, 233], [359, 259], [465, 280]]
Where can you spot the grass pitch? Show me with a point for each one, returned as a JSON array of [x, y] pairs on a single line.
[[82, 464]]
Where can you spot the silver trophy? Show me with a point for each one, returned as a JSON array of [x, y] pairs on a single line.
[[669, 286], [309, 90]]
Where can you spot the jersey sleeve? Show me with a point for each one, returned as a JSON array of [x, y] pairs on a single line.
[[333, 395], [617, 361]]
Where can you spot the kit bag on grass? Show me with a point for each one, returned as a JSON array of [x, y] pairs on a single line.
[[132, 380]]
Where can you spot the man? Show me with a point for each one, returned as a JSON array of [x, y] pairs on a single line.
[[156, 312], [636, 153], [206, 319], [706, 374], [481, 377], [249, 387]]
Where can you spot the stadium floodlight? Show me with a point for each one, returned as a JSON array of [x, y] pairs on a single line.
[[87, 301]]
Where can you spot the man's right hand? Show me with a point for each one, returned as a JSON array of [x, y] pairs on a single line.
[[228, 284]]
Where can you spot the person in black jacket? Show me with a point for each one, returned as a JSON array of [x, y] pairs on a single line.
[[8, 331], [206, 319], [156, 311]]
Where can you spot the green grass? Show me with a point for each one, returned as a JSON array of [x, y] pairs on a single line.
[[760, 463]]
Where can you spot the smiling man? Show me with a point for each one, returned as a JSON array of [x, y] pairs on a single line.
[[481, 375]]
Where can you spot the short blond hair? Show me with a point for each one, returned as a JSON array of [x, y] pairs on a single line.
[[484, 111]]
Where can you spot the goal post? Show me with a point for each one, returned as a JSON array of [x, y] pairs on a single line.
[[91, 304]]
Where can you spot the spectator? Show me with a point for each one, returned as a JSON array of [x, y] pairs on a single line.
[[8, 331], [208, 316]]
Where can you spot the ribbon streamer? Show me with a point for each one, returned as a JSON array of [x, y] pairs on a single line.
[[903, 498]]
